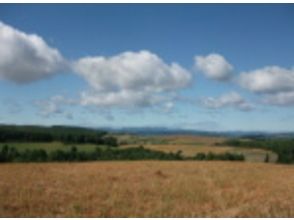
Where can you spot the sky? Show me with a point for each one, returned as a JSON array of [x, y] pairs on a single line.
[[216, 67]]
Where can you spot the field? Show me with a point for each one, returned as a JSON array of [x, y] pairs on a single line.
[[188, 144], [191, 145], [146, 189]]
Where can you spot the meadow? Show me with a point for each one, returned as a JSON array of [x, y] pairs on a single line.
[[152, 188], [190, 145], [146, 189]]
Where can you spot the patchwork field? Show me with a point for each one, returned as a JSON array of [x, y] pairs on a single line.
[[190, 145], [146, 189]]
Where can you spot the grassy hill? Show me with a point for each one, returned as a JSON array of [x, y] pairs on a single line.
[[146, 189], [190, 145]]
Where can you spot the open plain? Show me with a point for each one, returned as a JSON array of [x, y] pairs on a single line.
[[146, 189]]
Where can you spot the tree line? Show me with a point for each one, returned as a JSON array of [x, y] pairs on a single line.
[[283, 147], [68, 135], [10, 154], [222, 156]]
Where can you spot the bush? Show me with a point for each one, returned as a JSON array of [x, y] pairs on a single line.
[[9, 154], [225, 156], [283, 147], [110, 141], [200, 156], [68, 135]]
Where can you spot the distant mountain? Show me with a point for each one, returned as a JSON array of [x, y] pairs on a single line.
[[148, 131], [174, 131]]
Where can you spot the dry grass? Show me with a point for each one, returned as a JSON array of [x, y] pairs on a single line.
[[190, 145], [188, 150], [192, 139], [146, 189]]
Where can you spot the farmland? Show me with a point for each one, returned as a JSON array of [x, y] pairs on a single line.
[[189, 145], [146, 110], [168, 181], [146, 189]]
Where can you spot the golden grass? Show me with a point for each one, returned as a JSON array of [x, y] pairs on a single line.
[[190, 145], [192, 139], [188, 150], [146, 189], [168, 139]]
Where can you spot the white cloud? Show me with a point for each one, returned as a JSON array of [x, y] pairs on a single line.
[[281, 98], [274, 83], [214, 66], [26, 57], [54, 105], [168, 106], [50, 106], [122, 98], [271, 79], [231, 99], [129, 79]]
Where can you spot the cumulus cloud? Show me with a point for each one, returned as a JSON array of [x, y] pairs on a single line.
[[281, 98], [270, 79], [54, 105], [50, 106], [274, 83], [26, 57], [231, 99], [129, 79], [168, 106], [122, 98], [214, 66]]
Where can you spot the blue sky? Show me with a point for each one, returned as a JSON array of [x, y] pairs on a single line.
[[114, 65]]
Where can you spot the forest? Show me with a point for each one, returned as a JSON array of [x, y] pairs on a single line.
[[64, 134], [284, 147], [10, 154]]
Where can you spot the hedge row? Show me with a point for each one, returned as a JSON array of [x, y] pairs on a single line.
[[10, 154], [283, 147]]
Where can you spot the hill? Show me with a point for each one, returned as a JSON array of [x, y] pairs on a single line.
[[146, 189]]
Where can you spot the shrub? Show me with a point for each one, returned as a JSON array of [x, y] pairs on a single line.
[[200, 156], [8, 154], [283, 147], [110, 141], [225, 156]]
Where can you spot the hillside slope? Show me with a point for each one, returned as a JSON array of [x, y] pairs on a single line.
[[146, 189]]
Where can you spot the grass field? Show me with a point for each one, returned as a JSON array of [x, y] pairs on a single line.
[[146, 189], [189, 145], [252, 155]]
